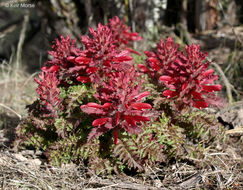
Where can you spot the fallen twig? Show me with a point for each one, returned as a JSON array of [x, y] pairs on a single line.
[[124, 185], [234, 131], [225, 80]]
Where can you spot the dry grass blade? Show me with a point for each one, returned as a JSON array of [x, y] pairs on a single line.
[[10, 109], [21, 40], [17, 89], [15, 174], [107, 184], [191, 182], [234, 131]]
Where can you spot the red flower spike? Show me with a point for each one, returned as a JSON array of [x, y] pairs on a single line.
[[122, 58], [83, 79], [71, 58], [101, 121], [44, 69], [153, 60], [155, 67], [52, 69], [115, 136], [83, 60], [143, 68], [179, 62], [117, 118], [122, 104], [121, 34], [212, 88], [49, 93], [142, 95], [140, 106], [184, 86], [130, 121], [92, 110], [136, 118], [149, 54], [185, 75], [94, 105], [196, 95], [107, 63], [133, 51], [159, 60], [63, 52], [101, 55], [170, 93], [166, 79], [91, 70], [200, 104], [208, 72], [106, 105]]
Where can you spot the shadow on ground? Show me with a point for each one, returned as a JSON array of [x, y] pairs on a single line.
[[8, 124]]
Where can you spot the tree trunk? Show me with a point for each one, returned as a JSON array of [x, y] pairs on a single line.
[[200, 15]]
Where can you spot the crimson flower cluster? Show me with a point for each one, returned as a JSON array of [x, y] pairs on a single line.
[[102, 54], [104, 61], [61, 52], [185, 75], [121, 105], [49, 93], [160, 59], [122, 34]]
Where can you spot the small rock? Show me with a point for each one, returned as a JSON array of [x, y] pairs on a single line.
[[30, 163], [38, 153], [3, 160], [20, 157], [68, 166], [157, 183], [28, 152], [240, 114], [34, 163]]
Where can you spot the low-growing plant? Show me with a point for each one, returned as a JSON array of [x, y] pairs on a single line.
[[93, 106], [183, 76]]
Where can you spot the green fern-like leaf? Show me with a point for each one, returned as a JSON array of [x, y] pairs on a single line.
[[100, 165], [149, 148], [171, 136], [126, 151], [76, 96], [201, 127], [70, 149], [34, 133]]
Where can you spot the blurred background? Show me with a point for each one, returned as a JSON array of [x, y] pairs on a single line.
[[28, 28]]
